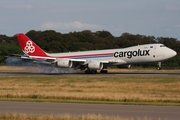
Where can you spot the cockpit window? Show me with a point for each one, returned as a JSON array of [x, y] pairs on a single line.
[[162, 46]]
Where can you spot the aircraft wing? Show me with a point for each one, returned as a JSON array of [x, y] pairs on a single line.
[[106, 62], [54, 60], [75, 63], [119, 61], [82, 63]]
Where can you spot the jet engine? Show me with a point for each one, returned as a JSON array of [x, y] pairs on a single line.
[[123, 66], [95, 65], [65, 63]]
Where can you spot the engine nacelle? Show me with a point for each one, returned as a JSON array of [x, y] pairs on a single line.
[[95, 65], [64, 63], [123, 66]]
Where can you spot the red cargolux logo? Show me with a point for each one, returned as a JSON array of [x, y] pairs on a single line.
[[29, 47]]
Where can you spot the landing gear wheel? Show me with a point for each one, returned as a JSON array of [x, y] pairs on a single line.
[[159, 68], [87, 71], [103, 71], [94, 71], [91, 71]]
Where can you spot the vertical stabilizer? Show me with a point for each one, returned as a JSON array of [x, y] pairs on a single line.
[[29, 47]]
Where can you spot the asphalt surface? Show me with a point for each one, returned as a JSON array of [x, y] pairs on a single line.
[[83, 74], [121, 111]]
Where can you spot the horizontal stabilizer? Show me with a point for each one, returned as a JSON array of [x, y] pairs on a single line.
[[18, 55]]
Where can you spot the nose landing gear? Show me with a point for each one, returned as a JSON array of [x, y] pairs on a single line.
[[159, 66]]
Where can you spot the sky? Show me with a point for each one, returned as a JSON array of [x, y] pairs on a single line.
[[159, 18]]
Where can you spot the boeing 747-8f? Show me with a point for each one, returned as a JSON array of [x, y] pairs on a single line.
[[91, 61]]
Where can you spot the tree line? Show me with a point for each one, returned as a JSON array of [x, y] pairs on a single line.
[[55, 42]]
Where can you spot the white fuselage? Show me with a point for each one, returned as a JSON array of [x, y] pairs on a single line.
[[131, 55]]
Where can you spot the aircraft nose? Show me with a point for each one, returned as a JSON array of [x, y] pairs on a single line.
[[174, 53], [171, 53]]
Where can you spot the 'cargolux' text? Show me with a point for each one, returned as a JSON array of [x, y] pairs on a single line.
[[130, 54]]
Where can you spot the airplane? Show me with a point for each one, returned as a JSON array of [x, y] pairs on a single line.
[[91, 61]]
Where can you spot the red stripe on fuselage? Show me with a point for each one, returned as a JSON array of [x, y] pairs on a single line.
[[75, 56], [87, 55]]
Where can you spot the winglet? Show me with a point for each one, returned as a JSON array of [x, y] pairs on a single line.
[[29, 47]]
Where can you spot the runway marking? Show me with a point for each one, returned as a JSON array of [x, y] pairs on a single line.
[[91, 109]]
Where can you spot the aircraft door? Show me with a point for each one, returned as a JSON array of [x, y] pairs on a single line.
[[158, 53]]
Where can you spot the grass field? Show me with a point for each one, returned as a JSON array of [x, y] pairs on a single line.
[[101, 89], [63, 117], [12, 69], [142, 70]]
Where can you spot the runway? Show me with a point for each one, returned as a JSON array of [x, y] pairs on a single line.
[[83, 74], [121, 111]]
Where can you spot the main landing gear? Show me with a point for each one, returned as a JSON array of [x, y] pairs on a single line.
[[91, 71], [103, 71], [95, 71]]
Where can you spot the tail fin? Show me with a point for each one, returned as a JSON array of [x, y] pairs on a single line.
[[29, 47]]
